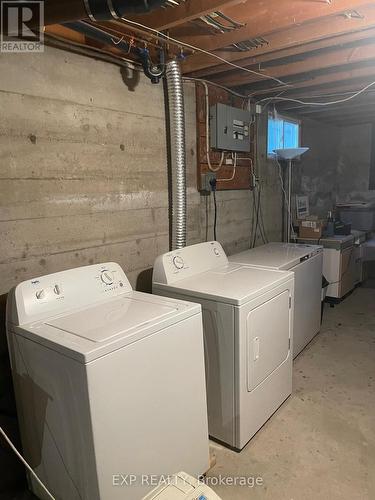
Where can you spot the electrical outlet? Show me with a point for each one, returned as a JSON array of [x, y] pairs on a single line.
[[205, 181]]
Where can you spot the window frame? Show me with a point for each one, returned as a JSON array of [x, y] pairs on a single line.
[[284, 118]]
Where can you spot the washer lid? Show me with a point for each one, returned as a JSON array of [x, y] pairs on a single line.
[[233, 283], [89, 333], [276, 255], [119, 316]]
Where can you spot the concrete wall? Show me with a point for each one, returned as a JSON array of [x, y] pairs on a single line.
[[337, 167], [354, 161], [84, 179], [315, 174], [84, 175]]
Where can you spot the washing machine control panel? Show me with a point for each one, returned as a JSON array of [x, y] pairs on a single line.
[[189, 261], [59, 292], [107, 277], [178, 262]]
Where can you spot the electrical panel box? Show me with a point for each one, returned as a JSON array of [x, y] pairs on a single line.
[[229, 128]]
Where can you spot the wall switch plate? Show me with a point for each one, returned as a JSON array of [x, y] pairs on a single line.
[[205, 181]]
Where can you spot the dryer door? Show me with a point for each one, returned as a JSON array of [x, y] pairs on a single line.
[[268, 342]]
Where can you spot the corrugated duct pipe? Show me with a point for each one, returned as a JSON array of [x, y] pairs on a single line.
[[175, 95]]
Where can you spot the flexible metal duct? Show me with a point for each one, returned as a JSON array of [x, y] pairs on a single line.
[[177, 153]]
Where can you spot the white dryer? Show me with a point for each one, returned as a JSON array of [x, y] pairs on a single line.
[[248, 327], [109, 383], [306, 261]]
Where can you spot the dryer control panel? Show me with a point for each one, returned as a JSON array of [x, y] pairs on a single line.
[[56, 293], [189, 261]]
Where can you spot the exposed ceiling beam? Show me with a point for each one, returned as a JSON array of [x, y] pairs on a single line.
[[357, 75], [350, 119], [340, 57], [171, 17], [65, 33], [122, 29], [292, 41], [274, 15], [364, 98], [331, 89], [341, 109]]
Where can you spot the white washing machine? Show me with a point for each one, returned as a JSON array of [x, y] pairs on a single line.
[[306, 261], [109, 383], [248, 328]]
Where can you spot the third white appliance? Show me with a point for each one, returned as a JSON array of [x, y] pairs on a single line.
[[306, 261], [248, 328]]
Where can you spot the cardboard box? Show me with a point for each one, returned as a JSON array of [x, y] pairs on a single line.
[[311, 228]]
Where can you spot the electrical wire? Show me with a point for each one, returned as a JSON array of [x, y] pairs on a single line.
[[2, 432], [252, 221], [210, 166], [262, 228], [328, 103], [214, 84], [206, 221], [92, 51], [215, 213], [285, 195], [256, 207], [207, 52], [226, 179]]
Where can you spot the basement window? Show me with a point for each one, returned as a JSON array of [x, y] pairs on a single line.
[[282, 133]]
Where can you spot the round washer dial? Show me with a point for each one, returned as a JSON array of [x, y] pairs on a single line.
[[107, 277], [178, 262]]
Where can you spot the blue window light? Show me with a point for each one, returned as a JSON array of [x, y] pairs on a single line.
[[282, 133]]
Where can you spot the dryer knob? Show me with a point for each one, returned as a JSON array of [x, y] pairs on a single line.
[[40, 294]]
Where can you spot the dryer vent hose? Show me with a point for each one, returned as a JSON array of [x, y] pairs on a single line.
[[177, 153]]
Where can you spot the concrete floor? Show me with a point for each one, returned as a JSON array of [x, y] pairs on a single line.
[[321, 443]]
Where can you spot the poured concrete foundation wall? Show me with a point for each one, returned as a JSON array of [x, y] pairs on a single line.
[[337, 167], [354, 162], [315, 174], [84, 170]]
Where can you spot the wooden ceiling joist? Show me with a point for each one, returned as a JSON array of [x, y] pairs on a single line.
[[348, 118], [262, 17], [344, 108], [315, 46], [186, 11], [336, 58], [292, 40], [312, 81]]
